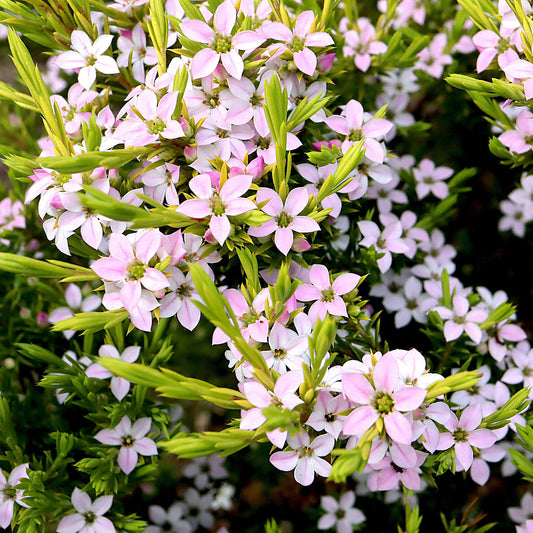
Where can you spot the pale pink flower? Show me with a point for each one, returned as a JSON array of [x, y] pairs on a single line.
[[152, 120], [131, 439], [128, 265], [433, 59], [132, 48], [463, 434], [386, 397], [119, 386], [287, 349], [218, 202], [430, 179], [461, 319], [361, 44], [9, 496], [88, 57], [286, 217], [298, 41], [340, 514], [222, 45], [160, 183], [89, 518], [325, 415], [520, 140], [326, 294], [386, 241], [305, 458], [179, 301], [260, 397], [355, 125]]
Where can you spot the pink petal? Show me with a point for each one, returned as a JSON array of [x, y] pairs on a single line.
[[127, 459], [154, 280], [68, 524], [398, 428], [198, 31], [357, 388], [464, 454], [148, 245], [283, 239], [284, 461], [204, 63], [305, 61], [359, 420], [220, 227], [145, 446], [386, 374]]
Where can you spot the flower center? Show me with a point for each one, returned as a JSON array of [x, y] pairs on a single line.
[[355, 135], [156, 126], [128, 441], [298, 44], [330, 417], [284, 220], [460, 435], [279, 353], [217, 205], [136, 270], [222, 44], [328, 295], [90, 517], [383, 402]]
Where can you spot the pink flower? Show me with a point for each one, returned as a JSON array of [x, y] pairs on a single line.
[[432, 59], [430, 179], [88, 57], [179, 301], [463, 435], [385, 242], [356, 126], [132, 47], [119, 386], [460, 319], [218, 202], [285, 217], [131, 439], [385, 398], [89, 517], [127, 265], [283, 395], [361, 44], [9, 496], [298, 41], [305, 458], [326, 294], [222, 44], [325, 415], [519, 140], [340, 514], [152, 120]]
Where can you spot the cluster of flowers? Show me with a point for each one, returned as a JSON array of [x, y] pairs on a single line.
[[207, 148]]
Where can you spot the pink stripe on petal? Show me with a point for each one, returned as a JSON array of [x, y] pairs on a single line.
[[127, 459], [220, 227], [233, 63], [68, 524], [198, 31], [304, 472], [148, 245], [120, 248]]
